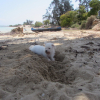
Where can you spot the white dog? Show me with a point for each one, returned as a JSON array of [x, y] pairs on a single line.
[[48, 51]]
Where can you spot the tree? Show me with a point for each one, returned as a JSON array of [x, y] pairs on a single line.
[[28, 22], [38, 24], [65, 20], [95, 5], [56, 9], [68, 18], [85, 3], [82, 15], [46, 22]]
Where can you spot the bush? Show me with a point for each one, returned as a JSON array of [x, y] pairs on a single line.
[[68, 18], [90, 22], [83, 24], [65, 20], [75, 25], [38, 24]]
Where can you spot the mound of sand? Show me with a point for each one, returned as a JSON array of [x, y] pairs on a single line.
[[75, 75]]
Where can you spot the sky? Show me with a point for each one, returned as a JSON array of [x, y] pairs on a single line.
[[18, 11]]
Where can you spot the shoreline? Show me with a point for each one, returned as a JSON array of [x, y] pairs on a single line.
[[26, 29], [6, 29]]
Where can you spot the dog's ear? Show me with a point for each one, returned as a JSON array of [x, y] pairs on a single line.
[[53, 46]]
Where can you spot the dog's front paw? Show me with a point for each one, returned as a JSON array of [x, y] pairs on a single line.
[[53, 59]]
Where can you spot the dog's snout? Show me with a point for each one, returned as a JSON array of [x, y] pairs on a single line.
[[47, 52]]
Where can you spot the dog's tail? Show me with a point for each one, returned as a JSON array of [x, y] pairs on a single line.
[[31, 47]]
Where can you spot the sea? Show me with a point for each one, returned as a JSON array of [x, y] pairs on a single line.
[[5, 29]]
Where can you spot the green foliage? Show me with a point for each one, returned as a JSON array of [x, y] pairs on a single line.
[[95, 4], [65, 20], [17, 25], [28, 22], [56, 9], [46, 22], [83, 24], [85, 3], [73, 16], [76, 25], [90, 22], [38, 24], [68, 18], [92, 12], [82, 14], [81, 10]]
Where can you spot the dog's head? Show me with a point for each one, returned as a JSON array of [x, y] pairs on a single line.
[[49, 48]]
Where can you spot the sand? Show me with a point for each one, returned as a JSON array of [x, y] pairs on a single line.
[[75, 75]]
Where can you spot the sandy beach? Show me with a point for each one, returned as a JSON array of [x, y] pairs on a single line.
[[75, 75]]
